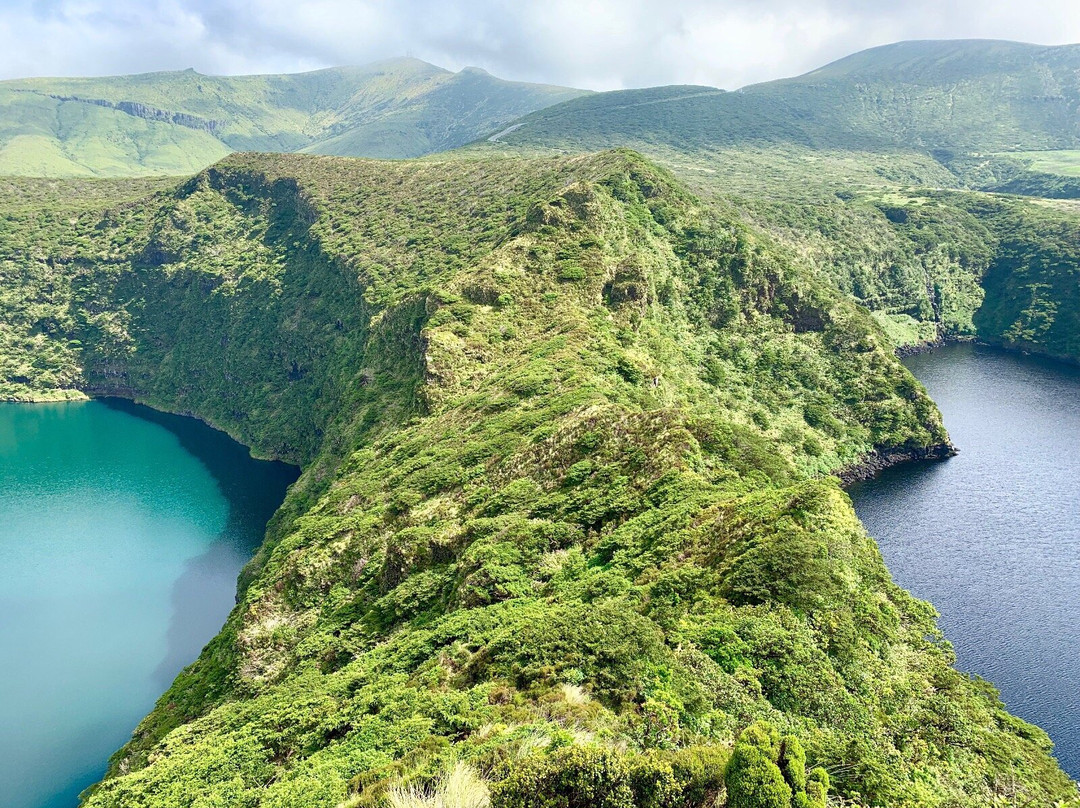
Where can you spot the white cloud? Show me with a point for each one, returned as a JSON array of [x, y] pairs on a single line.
[[602, 44]]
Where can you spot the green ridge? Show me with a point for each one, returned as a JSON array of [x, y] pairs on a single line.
[[858, 171], [178, 123], [565, 516], [946, 97]]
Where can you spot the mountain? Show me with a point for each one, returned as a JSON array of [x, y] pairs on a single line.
[[179, 122], [946, 98], [847, 167], [566, 525], [952, 96], [569, 530]]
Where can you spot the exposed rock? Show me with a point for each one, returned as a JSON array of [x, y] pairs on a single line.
[[880, 459]]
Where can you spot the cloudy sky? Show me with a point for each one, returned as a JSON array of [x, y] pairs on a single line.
[[598, 44]]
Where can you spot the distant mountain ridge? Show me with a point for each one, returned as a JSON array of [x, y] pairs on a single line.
[[179, 122], [951, 98], [952, 95]]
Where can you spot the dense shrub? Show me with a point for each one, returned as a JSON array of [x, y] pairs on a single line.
[[581, 520], [580, 777], [769, 772]]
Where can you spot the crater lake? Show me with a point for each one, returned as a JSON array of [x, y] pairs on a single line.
[[122, 531], [992, 537]]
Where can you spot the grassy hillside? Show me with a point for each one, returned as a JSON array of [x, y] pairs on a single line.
[[857, 171], [565, 516], [177, 123], [1064, 163], [935, 264], [1032, 294], [948, 97]]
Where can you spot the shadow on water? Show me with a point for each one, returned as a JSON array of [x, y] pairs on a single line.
[[200, 600], [88, 710], [253, 489]]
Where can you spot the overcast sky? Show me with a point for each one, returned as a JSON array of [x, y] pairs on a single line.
[[597, 44]]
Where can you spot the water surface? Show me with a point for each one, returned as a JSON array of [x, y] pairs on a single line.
[[122, 531], [992, 537]]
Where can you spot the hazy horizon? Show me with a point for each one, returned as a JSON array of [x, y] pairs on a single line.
[[597, 45], [403, 57]]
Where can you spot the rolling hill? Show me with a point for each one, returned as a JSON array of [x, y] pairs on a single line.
[[950, 96], [179, 122]]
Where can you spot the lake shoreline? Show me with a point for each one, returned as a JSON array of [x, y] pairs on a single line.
[[991, 540], [123, 531], [917, 348], [871, 465]]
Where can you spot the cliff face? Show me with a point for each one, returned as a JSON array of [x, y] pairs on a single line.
[[566, 433], [147, 112]]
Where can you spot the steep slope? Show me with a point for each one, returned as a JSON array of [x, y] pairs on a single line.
[[451, 110], [947, 96], [177, 123], [1032, 295], [934, 264], [844, 168], [563, 515], [963, 95]]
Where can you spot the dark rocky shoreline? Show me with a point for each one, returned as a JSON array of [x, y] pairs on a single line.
[[927, 347], [880, 459]]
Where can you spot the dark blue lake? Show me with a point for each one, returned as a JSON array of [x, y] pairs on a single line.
[[992, 537], [122, 532]]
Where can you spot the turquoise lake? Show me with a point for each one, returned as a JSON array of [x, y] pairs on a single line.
[[122, 531]]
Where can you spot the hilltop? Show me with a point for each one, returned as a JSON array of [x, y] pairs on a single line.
[[566, 513], [935, 96], [883, 172], [179, 122], [948, 100]]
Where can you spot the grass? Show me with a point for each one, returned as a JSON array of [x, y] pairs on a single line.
[[1065, 162], [904, 330], [941, 98], [177, 123], [461, 787]]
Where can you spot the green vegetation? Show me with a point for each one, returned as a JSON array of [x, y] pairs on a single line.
[[860, 175], [584, 776], [1032, 295], [1065, 163], [767, 771], [566, 517], [177, 123], [935, 264], [1020, 173], [946, 99], [949, 102], [567, 533], [38, 360]]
